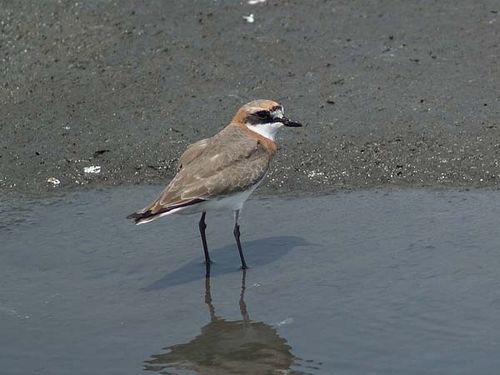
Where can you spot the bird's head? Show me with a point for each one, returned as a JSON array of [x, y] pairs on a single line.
[[264, 117]]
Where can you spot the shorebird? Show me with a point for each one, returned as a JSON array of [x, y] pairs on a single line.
[[221, 172]]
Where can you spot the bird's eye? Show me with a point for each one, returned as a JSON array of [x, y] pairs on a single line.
[[262, 114], [259, 117]]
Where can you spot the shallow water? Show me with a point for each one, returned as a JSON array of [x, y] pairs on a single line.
[[367, 282]]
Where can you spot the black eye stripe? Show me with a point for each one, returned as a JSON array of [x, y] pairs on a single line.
[[263, 114], [260, 117]]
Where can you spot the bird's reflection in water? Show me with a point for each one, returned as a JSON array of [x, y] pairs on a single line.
[[229, 347]]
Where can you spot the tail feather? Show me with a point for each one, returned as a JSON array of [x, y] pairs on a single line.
[[148, 215]]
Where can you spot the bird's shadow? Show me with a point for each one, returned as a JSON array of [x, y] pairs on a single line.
[[225, 260]]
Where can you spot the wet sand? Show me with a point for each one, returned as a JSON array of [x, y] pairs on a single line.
[[393, 93], [376, 281]]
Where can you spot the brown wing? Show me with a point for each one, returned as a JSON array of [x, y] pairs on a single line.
[[228, 163], [192, 152]]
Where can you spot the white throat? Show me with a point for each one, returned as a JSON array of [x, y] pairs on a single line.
[[266, 130]]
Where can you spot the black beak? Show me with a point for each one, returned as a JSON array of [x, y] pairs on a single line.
[[290, 123]]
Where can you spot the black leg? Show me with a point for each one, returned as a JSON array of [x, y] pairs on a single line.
[[236, 233], [202, 227]]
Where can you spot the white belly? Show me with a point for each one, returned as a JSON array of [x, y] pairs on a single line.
[[232, 202]]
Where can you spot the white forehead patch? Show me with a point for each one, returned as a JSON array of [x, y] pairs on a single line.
[[277, 113]]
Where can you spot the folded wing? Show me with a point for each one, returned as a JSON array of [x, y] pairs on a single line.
[[225, 164]]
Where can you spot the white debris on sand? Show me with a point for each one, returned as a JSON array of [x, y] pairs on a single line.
[[250, 18], [313, 174], [92, 169], [54, 181], [253, 2]]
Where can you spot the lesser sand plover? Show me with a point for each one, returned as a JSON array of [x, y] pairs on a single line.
[[222, 171]]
